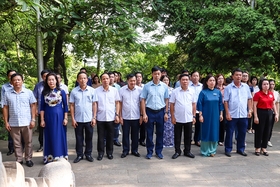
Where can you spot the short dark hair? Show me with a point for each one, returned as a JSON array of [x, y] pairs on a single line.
[[83, 69], [138, 72], [236, 70], [183, 75], [156, 68], [185, 71], [129, 76], [105, 73], [194, 72], [163, 70], [261, 81], [16, 74], [81, 72], [111, 73], [9, 71], [44, 71]]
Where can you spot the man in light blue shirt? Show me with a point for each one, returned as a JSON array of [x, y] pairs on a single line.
[[154, 107], [83, 109], [6, 87], [238, 107]]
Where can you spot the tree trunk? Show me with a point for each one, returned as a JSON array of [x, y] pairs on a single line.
[[99, 52], [58, 53]]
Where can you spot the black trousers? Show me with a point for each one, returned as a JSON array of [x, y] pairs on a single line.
[[41, 131], [132, 127], [262, 130], [84, 131], [196, 136], [142, 132], [272, 125], [178, 127], [103, 126], [222, 128]]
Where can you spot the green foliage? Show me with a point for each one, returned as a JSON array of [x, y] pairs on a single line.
[[3, 131], [221, 35]]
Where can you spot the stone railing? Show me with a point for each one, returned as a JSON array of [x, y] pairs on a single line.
[[51, 175]]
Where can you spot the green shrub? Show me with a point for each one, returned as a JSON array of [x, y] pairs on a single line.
[[3, 131]]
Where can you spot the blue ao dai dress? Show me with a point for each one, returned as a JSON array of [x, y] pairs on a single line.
[[210, 103], [54, 106]]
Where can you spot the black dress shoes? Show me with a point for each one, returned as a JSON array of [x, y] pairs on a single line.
[[124, 155], [78, 159], [10, 152], [143, 144], [110, 157], [29, 163], [136, 154], [117, 143], [176, 155], [228, 154], [40, 149], [21, 162], [100, 157], [242, 153], [89, 158], [189, 154]]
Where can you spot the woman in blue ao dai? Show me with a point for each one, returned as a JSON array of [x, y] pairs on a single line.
[[210, 107], [53, 114]]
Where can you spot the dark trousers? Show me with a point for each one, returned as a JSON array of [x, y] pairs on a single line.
[[262, 129], [272, 125], [196, 136], [84, 131], [10, 142], [41, 131], [154, 118], [222, 128], [116, 132], [142, 132], [251, 123], [187, 136], [103, 126], [240, 124], [133, 126]]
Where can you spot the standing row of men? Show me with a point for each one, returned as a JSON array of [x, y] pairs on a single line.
[[132, 105]]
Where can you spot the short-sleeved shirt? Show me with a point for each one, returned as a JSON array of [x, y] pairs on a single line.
[[183, 100], [265, 101], [65, 88], [19, 106], [5, 87], [237, 98], [106, 103], [37, 93], [130, 102], [155, 95], [82, 100], [276, 96]]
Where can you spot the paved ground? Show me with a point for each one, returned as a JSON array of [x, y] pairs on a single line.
[[201, 171]]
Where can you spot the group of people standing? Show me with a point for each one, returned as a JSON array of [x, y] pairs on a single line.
[[212, 107]]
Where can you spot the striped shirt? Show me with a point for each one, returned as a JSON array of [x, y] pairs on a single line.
[[19, 106]]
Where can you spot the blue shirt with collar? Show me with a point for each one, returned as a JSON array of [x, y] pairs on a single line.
[[83, 100], [19, 106], [237, 98], [155, 95]]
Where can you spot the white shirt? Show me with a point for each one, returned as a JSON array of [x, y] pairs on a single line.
[[106, 103], [197, 89], [65, 88], [183, 101], [130, 102]]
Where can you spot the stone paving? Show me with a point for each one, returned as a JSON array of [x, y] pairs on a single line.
[[220, 170]]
